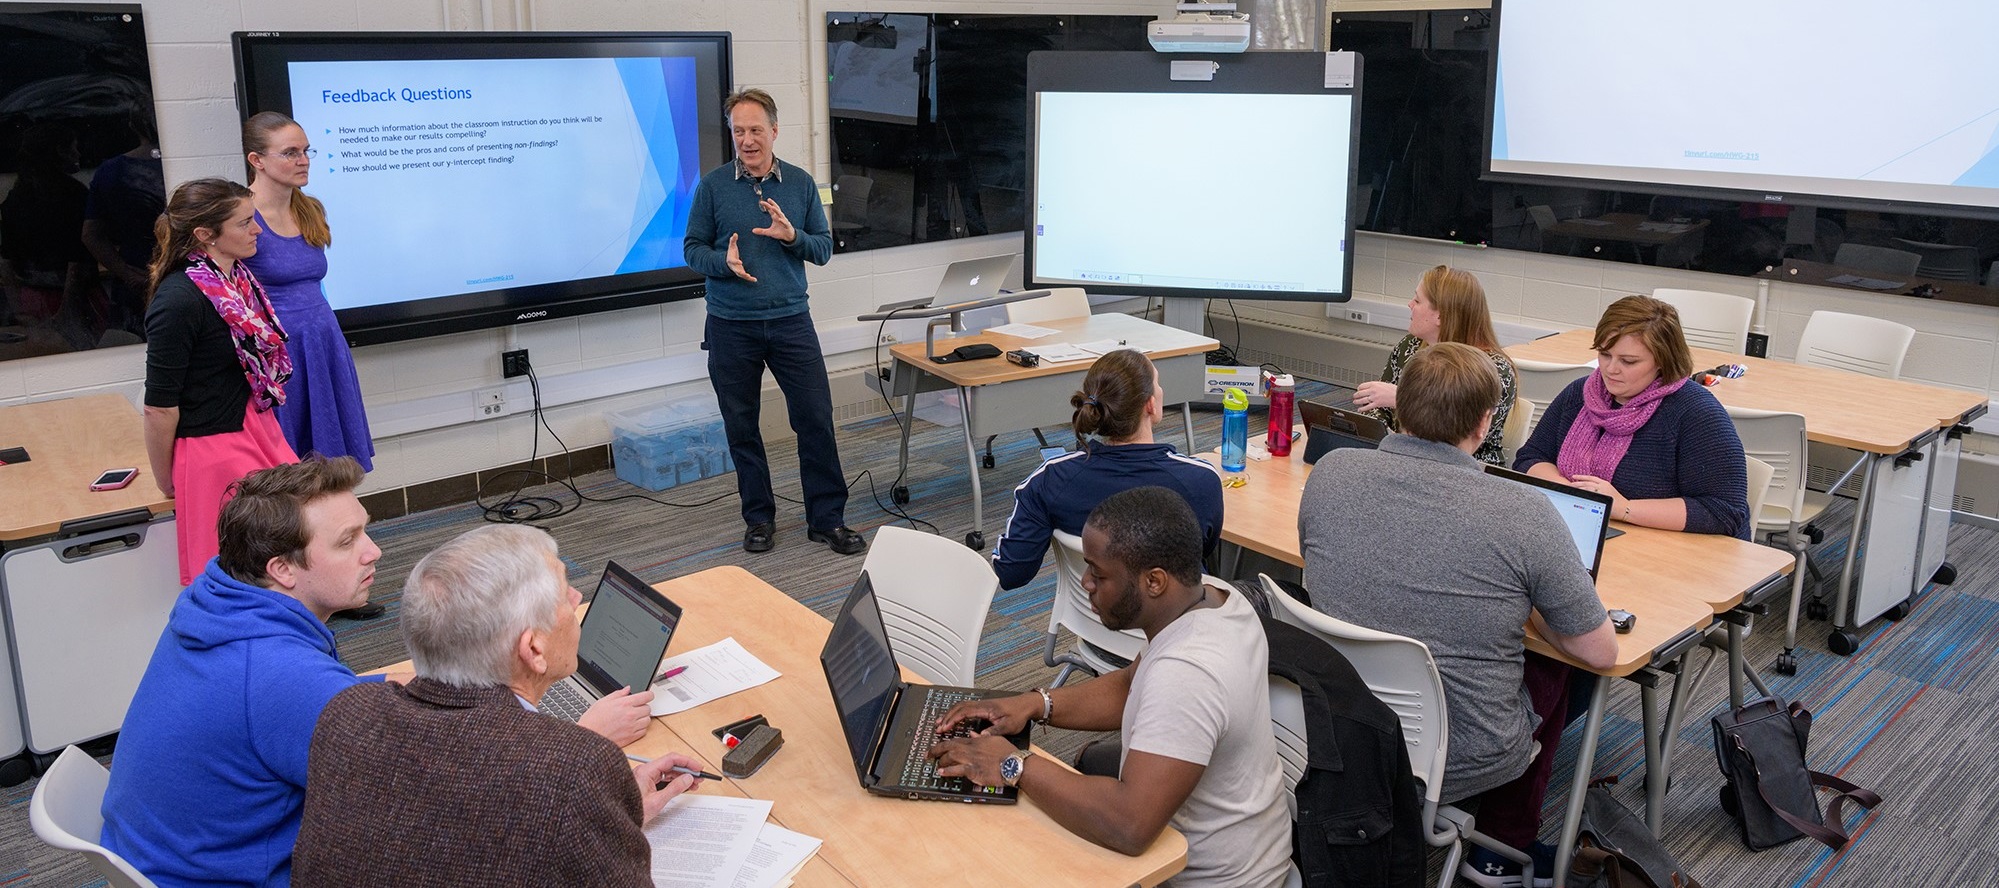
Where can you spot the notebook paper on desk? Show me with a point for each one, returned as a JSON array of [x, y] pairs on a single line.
[[713, 672]]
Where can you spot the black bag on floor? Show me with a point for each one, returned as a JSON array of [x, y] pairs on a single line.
[[1616, 850], [1769, 790]]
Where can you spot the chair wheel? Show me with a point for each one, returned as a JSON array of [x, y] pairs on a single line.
[[987, 462], [899, 493], [975, 540], [1786, 664], [1842, 642], [16, 770], [1898, 611], [1816, 609], [1946, 574]]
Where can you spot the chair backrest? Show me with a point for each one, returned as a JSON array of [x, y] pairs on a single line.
[[1945, 262], [1884, 260], [1719, 321], [1287, 721], [1519, 422], [1397, 669], [1061, 302], [1543, 216], [934, 596], [1778, 441], [1541, 381], [850, 200], [1854, 342], [1759, 473], [67, 813], [1071, 608]]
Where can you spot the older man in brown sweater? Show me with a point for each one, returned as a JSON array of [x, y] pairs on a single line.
[[472, 786]]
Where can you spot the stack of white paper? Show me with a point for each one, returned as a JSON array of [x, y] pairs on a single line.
[[713, 672], [700, 841]]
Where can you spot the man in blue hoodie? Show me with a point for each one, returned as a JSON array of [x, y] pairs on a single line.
[[208, 783]]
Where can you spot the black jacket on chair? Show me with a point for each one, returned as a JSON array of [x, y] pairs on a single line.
[[1359, 815]]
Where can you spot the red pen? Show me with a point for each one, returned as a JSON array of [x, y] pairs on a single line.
[[668, 674]]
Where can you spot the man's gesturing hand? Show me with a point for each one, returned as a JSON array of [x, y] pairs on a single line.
[[736, 261], [779, 227]]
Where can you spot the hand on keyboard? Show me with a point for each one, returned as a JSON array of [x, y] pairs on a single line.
[[975, 758], [1001, 715], [621, 716]]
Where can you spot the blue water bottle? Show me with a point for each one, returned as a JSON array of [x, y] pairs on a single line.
[[1235, 429]]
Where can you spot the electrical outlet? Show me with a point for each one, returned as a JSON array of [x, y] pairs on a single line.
[[889, 338], [490, 402], [1356, 315], [514, 363]]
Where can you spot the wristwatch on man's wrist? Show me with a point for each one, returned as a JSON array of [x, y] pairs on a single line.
[[1012, 767]]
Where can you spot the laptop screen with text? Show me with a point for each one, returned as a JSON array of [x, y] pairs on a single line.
[[624, 633]]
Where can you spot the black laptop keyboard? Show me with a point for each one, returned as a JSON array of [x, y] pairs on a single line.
[[563, 701], [918, 770]]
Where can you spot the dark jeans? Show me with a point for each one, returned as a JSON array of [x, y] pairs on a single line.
[[1511, 812], [738, 352]]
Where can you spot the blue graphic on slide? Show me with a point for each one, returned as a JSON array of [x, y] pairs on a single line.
[[459, 176]]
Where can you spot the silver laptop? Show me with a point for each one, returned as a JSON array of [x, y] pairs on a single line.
[[624, 635], [967, 280]]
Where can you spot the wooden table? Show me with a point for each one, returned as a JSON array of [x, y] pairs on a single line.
[[1899, 425], [1820, 274], [1675, 583], [87, 576], [995, 395], [869, 840]]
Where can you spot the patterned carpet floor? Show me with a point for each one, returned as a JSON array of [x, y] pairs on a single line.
[[1909, 715]]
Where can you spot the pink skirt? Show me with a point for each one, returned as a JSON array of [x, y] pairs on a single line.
[[204, 467]]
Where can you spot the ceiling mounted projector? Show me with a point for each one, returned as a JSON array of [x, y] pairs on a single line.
[[1200, 27]]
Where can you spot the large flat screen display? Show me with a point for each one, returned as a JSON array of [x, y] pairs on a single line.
[[1149, 186], [475, 181], [1824, 103]]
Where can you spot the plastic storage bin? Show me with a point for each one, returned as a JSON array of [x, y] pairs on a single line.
[[665, 445]]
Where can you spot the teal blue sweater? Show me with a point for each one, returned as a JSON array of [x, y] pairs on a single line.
[[725, 204]]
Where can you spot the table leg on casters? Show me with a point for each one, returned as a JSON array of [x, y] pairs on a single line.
[[908, 422], [1572, 816], [977, 538], [1655, 754], [1187, 421], [1735, 664], [1860, 507], [1676, 709]]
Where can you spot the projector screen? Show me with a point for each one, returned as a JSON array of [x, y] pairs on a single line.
[[480, 181], [1826, 103], [1146, 186]]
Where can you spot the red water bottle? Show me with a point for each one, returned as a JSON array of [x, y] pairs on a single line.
[[1278, 441]]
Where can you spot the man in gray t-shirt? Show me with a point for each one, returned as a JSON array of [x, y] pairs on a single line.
[[1194, 709], [1415, 539]]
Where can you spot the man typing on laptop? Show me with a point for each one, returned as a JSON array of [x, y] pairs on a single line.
[[1194, 709], [472, 786], [1413, 538]]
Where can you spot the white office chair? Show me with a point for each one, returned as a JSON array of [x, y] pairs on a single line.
[[1759, 474], [1944, 262], [1061, 302], [1854, 342], [1788, 508], [1400, 672], [1880, 260], [1541, 381], [1518, 423], [1719, 321], [1071, 610], [934, 595], [67, 813]]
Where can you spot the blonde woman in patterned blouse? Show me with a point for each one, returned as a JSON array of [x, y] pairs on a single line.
[[1449, 306]]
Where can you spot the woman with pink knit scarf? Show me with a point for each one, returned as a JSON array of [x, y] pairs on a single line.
[[1640, 432]]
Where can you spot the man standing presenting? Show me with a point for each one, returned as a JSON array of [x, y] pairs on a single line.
[[740, 234], [1194, 710]]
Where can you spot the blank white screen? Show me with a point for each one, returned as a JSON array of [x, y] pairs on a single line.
[[1208, 191], [1826, 97]]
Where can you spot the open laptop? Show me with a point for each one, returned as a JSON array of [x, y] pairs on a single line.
[[1587, 514], [624, 635], [1329, 428], [967, 280], [890, 723]]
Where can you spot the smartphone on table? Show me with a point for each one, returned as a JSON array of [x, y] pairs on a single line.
[[113, 479]]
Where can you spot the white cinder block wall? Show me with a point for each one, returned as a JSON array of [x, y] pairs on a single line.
[[779, 46]]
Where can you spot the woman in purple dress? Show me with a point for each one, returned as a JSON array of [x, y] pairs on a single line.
[[322, 412]]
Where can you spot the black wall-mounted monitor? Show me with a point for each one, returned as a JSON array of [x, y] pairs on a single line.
[[478, 180], [1236, 186], [1786, 102]]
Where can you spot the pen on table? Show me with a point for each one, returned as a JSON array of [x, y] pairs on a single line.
[[668, 674], [676, 768]]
